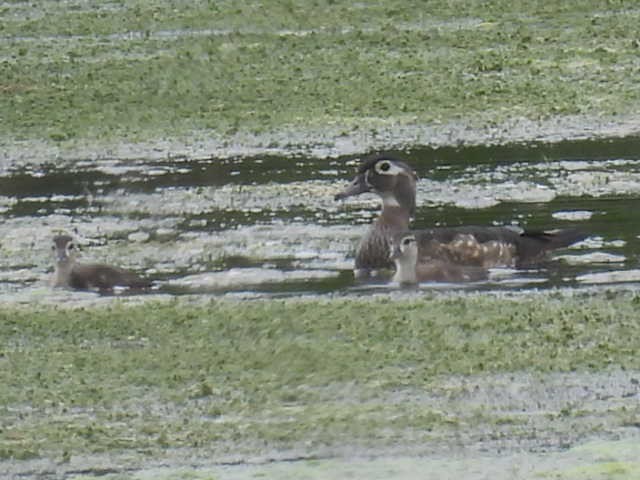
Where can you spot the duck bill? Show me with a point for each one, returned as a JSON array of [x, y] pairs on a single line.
[[357, 186]]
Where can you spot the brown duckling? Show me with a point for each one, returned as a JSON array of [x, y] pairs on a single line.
[[410, 269], [69, 273]]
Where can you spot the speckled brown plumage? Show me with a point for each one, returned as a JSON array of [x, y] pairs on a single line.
[[374, 247], [440, 266]]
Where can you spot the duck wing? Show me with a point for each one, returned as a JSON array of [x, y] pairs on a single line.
[[489, 247]]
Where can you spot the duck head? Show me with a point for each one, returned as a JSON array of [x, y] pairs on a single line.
[[391, 179], [404, 253], [64, 249]]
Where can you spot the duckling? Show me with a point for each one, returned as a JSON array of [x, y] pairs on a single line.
[[412, 270], [394, 181], [68, 273]]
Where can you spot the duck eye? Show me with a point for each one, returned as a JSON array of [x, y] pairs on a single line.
[[384, 166], [407, 241], [71, 246]]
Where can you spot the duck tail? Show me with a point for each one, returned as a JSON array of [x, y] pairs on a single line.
[[559, 238], [535, 244]]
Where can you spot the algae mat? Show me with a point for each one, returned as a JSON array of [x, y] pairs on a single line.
[[190, 384], [326, 76], [615, 460]]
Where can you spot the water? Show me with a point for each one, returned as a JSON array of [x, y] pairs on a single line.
[[269, 224]]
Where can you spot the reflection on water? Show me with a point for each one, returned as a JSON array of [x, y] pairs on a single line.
[[270, 224]]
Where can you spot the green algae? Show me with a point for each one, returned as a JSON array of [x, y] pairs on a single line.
[[605, 470], [555, 465], [142, 70], [251, 377], [600, 460]]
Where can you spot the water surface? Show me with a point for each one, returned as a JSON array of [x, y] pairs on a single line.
[[269, 224]]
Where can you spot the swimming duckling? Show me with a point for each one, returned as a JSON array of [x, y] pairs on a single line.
[[410, 269], [68, 273]]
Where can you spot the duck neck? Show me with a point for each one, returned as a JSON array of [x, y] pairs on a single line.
[[403, 196], [395, 216], [406, 269], [62, 273]]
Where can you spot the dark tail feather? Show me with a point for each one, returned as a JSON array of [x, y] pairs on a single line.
[[535, 244]]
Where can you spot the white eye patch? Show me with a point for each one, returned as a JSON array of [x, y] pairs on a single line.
[[407, 243], [408, 240], [387, 167]]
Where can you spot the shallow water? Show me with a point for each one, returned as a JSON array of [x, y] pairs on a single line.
[[269, 224]]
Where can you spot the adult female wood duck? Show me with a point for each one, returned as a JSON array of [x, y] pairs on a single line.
[[474, 246], [68, 273]]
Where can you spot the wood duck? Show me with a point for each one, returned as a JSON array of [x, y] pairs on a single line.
[[473, 246], [70, 274], [409, 271]]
